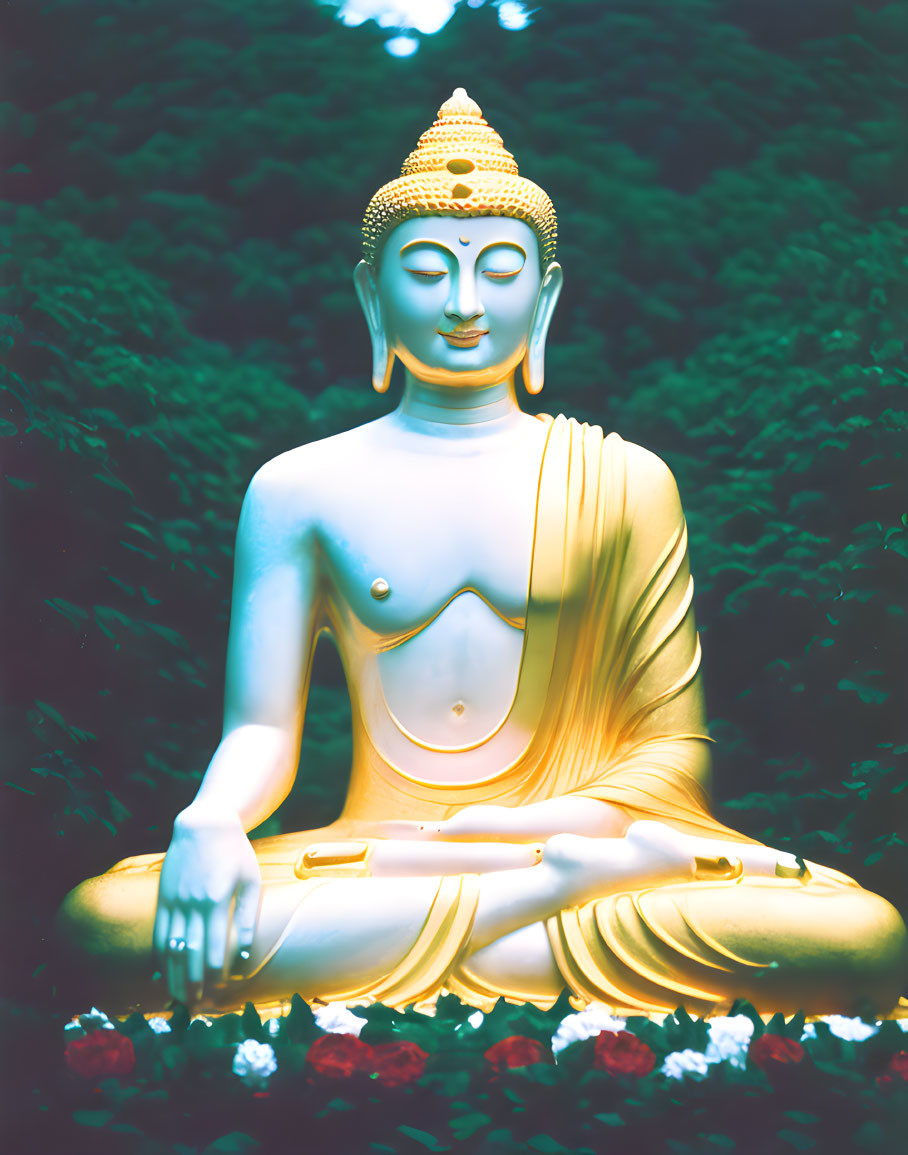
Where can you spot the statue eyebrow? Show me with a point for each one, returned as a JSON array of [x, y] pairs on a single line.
[[504, 245], [435, 244]]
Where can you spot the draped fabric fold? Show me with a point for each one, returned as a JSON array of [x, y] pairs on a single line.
[[610, 640]]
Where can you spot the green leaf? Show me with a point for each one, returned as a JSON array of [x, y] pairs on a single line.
[[335, 1105], [92, 1118], [423, 1138], [114, 482], [802, 1117], [547, 1145], [235, 1143], [466, 1125], [610, 1119], [72, 613], [797, 1139], [868, 694], [54, 715]]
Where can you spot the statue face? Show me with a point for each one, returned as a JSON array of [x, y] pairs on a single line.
[[458, 296]]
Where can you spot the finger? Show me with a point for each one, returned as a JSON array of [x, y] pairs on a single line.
[[159, 934], [216, 941], [176, 957], [195, 953], [245, 917]]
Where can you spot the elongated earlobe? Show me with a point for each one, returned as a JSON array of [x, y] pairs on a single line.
[[382, 364], [382, 356], [534, 359]]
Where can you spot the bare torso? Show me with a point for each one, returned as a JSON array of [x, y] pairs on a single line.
[[448, 525]]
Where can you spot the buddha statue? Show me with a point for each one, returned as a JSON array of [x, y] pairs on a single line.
[[528, 805]]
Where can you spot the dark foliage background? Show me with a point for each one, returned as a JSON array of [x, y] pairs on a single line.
[[180, 213]]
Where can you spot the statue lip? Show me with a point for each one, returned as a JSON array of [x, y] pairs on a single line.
[[463, 338]]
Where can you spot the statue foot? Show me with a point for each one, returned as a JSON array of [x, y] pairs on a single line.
[[755, 860], [665, 849], [650, 854]]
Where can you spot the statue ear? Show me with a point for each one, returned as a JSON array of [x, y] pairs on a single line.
[[382, 357], [534, 360]]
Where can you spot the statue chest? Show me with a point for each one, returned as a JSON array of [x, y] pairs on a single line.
[[409, 539], [429, 572]]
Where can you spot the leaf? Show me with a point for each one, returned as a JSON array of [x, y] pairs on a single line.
[[868, 694], [72, 613], [423, 1138], [797, 1139], [114, 482], [235, 1143], [466, 1125], [92, 1118], [547, 1145], [335, 1105], [55, 716]]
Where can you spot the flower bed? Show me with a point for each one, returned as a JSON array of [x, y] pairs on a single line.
[[517, 1079]]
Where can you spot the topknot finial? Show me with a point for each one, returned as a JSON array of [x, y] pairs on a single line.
[[459, 104]]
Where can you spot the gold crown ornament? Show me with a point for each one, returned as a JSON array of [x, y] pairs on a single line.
[[459, 168]]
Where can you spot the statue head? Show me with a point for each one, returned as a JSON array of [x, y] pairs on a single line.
[[458, 277]]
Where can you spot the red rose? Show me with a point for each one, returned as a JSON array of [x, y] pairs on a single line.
[[398, 1063], [621, 1053], [339, 1056], [770, 1052], [101, 1053], [517, 1051], [896, 1072]]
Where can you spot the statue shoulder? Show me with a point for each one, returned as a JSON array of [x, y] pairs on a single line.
[[296, 483], [649, 483], [651, 490], [647, 472]]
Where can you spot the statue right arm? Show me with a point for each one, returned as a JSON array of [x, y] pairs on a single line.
[[210, 865]]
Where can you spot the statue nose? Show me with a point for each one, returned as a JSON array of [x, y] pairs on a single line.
[[464, 303]]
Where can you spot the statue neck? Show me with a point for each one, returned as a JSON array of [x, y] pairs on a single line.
[[473, 410]]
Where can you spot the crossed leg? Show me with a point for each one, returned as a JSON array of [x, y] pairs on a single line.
[[327, 937]]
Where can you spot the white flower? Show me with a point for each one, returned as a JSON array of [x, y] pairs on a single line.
[[729, 1038], [95, 1020], [475, 1020], [254, 1062], [852, 1030], [586, 1023], [274, 1027], [679, 1064], [336, 1019], [809, 1032], [159, 1026]]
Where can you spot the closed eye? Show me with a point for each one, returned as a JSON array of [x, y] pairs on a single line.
[[431, 274], [499, 276]]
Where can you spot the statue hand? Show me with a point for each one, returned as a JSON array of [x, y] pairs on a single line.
[[209, 864]]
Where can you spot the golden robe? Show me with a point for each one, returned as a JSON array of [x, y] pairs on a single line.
[[608, 704]]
